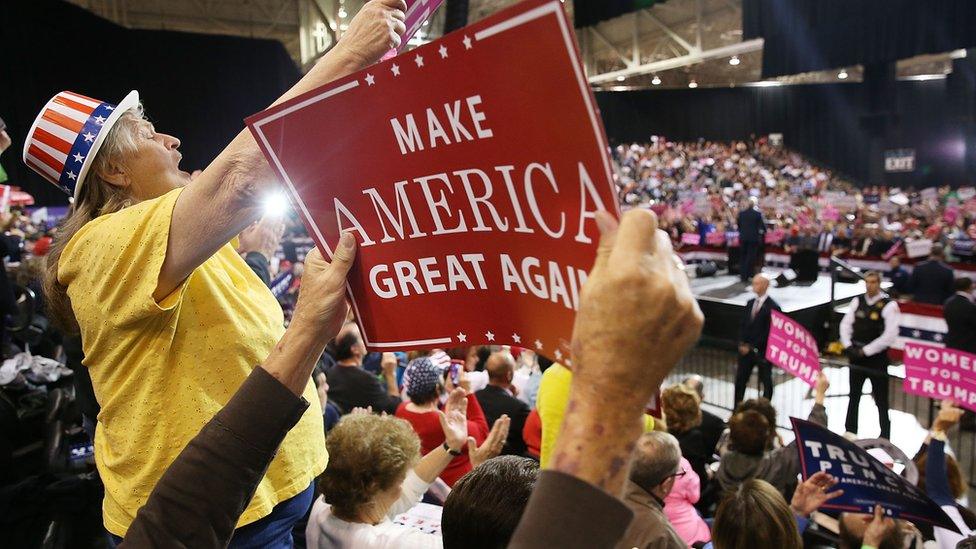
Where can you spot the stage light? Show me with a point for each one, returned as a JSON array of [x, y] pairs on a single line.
[[621, 78], [692, 84], [656, 80], [734, 60], [342, 13], [842, 74], [276, 204], [343, 27]]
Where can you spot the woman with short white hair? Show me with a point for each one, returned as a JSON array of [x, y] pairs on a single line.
[[171, 318]]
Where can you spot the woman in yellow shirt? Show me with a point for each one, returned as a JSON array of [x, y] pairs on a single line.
[[172, 320]]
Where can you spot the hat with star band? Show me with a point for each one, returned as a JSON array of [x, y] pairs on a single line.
[[67, 134]]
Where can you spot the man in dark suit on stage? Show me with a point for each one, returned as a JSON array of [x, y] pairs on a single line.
[[960, 315], [752, 230], [753, 334], [932, 279]]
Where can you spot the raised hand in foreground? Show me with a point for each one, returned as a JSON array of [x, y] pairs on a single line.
[[813, 492], [637, 318]]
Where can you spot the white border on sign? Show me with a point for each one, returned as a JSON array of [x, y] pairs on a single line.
[[553, 8]]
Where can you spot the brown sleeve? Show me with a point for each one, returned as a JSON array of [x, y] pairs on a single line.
[[566, 512], [202, 494]]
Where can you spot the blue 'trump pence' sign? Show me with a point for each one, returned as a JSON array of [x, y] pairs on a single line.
[[865, 480]]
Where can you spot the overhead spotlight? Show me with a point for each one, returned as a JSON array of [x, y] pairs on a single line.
[[692, 84], [343, 27], [842, 74], [342, 13], [621, 78], [734, 60], [656, 80]]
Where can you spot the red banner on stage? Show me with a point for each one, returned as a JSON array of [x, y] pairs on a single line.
[[470, 170]]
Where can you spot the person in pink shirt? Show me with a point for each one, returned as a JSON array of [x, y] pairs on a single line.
[[679, 506]]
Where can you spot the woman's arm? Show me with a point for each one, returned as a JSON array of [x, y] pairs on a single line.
[[225, 198], [936, 476]]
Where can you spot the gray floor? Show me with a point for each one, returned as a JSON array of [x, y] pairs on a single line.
[[728, 289]]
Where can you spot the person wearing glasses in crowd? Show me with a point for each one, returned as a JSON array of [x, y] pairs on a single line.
[[654, 469]]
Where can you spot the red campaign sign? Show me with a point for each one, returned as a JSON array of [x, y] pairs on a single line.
[[470, 170]]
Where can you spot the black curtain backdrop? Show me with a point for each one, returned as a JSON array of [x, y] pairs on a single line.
[[194, 86], [827, 122], [591, 12], [812, 35]]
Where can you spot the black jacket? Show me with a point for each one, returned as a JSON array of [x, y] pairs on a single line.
[[496, 401], [711, 428], [932, 282], [755, 331], [960, 315], [351, 386], [751, 225]]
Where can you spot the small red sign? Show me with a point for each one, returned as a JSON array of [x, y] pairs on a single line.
[[470, 170]]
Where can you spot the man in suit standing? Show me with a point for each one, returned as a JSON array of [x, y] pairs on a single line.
[[868, 329], [752, 230], [754, 333], [496, 400], [932, 280], [960, 315], [899, 277]]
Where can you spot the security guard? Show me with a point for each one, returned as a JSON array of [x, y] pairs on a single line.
[[869, 328]]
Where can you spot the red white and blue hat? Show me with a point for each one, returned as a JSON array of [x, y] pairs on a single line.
[[67, 134]]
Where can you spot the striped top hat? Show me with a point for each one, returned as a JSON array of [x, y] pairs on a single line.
[[67, 134]]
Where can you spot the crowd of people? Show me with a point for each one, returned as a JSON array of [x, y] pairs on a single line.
[[700, 188], [215, 425]]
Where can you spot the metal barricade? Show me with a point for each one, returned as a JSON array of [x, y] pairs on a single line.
[[717, 366]]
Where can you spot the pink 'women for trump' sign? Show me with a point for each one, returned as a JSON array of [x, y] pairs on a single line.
[[470, 170], [941, 373], [792, 348]]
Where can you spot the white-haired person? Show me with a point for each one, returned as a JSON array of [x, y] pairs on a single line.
[[171, 318], [378, 472]]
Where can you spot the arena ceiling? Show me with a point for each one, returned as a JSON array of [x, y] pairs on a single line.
[[678, 43]]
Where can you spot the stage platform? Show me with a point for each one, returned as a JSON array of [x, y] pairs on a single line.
[[723, 298]]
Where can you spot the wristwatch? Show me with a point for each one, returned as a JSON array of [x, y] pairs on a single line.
[[450, 451]]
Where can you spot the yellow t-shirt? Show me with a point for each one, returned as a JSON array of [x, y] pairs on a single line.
[[551, 402], [162, 370]]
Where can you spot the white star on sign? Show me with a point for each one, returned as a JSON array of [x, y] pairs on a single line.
[[89, 137], [99, 120], [490, 336], [938, 337], [72, 176], [370, 79], [467, 42], [559, 354], [443, 51], [516, 338], [916, 333], [419, 60], [462, 338], [538, 344], [395, 69], [109, 108], [78, 157]]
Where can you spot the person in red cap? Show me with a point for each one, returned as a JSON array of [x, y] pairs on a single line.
[[171, 318]]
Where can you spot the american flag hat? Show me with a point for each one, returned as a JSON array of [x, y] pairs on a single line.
[[67, 134]]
